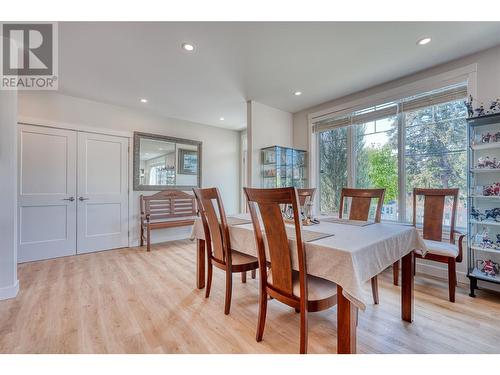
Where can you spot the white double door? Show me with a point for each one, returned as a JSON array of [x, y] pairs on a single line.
[[72, 192]]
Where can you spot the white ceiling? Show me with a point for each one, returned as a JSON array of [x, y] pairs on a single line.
[[120, 63]]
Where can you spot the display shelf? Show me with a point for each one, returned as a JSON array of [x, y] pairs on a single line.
[[485, 222], [484, 120], [485, 170], [478, 256], [485, 146], [485, 249], [481, 276]]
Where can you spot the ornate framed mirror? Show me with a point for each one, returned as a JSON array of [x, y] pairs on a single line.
[[162, 162]]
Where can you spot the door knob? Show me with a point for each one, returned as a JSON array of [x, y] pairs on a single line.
[[71, 199], [81, 199]]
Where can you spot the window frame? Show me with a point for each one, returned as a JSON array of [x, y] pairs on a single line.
[[404, 216], [351, 162], [403, 88]]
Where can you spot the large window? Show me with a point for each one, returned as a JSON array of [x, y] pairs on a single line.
[[376, 160], [436, 152], [333, 167], [416, 142]]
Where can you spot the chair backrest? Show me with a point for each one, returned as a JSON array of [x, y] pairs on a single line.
[[304, 193], [216, 232], [434, 204], [168, 204], [361, 202], [267, 202]]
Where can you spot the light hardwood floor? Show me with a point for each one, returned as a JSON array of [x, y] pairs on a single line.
[[130, 301]]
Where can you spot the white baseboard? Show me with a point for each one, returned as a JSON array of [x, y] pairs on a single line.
[[440, 272], [174, 237], [9, 291]]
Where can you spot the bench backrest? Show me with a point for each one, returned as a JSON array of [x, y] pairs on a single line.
[[168, 204]]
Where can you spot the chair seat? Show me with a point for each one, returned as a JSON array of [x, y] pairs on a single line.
[[317, 287], [238, 258], [440, 248]]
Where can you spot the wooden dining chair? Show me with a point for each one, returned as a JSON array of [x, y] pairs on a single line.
[[296, 289], [361, 200], [432, 231], [304, 194], [218, 245]]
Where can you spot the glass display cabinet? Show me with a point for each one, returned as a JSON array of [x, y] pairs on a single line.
[[484, 200], [283, 167]]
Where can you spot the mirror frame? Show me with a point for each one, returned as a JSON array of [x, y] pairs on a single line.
[[136, 165]]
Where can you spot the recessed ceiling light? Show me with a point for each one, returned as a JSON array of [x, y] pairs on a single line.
[[424, 41], [297, 93], [188, 47], [144, 100], [222, 118]]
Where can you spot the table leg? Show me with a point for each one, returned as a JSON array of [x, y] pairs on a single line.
[[407, 305], [395, 273], [346, 324], [200, 264]]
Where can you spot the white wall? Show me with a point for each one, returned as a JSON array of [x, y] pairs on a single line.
[[488, 88], [9, 285], [487, 85], [266, 126], [220, 149]]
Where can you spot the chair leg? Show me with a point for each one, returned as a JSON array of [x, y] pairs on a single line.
[[253, 274], [375, 289], [303, 331], [262, 315], [268, 270], [395, 273], [229, 290], [243, 277], [452, 278], [209, 279], [142, 235], [148, 239]]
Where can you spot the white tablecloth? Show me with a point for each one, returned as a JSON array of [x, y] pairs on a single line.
[[350, 258]]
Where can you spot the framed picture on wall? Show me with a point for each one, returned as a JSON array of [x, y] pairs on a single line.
[[188, 161]]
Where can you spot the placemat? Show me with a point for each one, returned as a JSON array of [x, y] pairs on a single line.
[[237, 221], [307, 235], [358, 223]]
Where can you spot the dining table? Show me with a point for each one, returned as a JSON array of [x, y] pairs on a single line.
[[348, 253]]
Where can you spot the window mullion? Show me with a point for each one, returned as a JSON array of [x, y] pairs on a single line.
[[401, 168], [351, 171], [317, 200]]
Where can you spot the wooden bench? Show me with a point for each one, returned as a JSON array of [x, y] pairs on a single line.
[[166, 209]]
